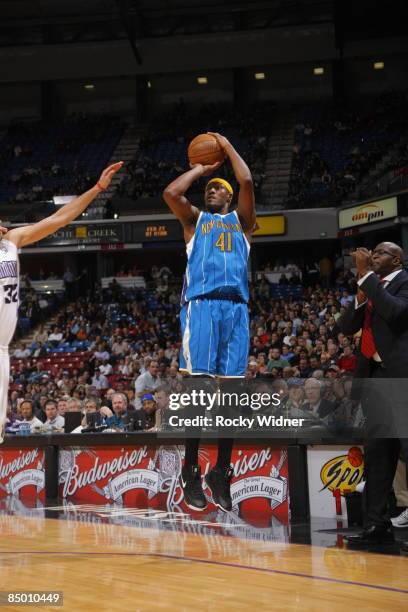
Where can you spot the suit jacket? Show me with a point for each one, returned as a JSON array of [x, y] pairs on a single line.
[[389, 324], [326, 407]]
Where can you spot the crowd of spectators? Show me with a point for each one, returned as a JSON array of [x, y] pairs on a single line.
[[40, 160], [336, 147], [35, 307], [130, 341], [162, 153]]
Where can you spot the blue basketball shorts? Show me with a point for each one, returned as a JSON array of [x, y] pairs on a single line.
[[215, 338]]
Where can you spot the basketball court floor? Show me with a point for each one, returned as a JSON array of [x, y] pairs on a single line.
[[115, 558]]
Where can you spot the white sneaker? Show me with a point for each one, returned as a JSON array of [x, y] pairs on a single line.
[[400, 521]]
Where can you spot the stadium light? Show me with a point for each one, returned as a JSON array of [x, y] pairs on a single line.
[[259, 76], [89, 86], [378, 65], [149, 84], [202, 80], [318, 70]]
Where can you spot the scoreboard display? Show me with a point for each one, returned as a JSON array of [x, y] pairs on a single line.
[[157, 231]]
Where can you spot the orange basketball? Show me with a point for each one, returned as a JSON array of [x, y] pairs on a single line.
[[204, 149], [355, 456]]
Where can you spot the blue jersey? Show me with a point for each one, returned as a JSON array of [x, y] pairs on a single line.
[[217, 258]]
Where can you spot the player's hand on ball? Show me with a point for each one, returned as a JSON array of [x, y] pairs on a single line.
[[222, 141], [107, 175], [207, 170]]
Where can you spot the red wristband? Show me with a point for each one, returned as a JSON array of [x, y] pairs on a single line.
[[98, 184]]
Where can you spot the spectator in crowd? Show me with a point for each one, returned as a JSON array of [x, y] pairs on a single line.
[[276, 360], [293, 405], [26, 415], [315, 404], [106, 368], [91, 407], [147, 413], [55, 337], [119, 407], [99, 381], [54, 420], [346, 298], [62, 405], [101, 354], [347, 362], [74, 404], [22, 352], [147, 382], [161, 397]]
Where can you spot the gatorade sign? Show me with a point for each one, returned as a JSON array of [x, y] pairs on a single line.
[[333, 471]]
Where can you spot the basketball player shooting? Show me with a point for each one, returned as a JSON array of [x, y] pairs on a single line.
[[10, 242], [214, 314]]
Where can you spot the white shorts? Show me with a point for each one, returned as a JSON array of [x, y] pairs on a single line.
[[4, 383]]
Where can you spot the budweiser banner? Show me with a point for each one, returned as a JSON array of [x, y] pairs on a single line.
[[149, 477], [22, 473], [333, 471]]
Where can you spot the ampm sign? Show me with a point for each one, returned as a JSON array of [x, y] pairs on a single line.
[[368, 213]]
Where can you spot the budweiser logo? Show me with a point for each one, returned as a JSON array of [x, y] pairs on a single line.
[[250, 463], [17, 464], [160, 474], [74, 479]]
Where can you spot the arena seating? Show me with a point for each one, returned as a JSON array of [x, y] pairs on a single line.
[[162, 152], [41, 160], [128, 282], [335, 148], [146, 319]]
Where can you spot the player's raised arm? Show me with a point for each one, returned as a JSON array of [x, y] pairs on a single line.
[[176, 200], [21, 236], [246, 196]]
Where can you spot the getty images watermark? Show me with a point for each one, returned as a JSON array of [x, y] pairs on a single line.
[[234, 410]]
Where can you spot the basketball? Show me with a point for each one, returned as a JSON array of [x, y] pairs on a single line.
[[355, 456], [204, 149]]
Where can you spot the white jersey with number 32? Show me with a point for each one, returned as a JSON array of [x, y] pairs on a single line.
[[9, 277]]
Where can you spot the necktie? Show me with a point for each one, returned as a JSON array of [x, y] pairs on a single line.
[[368, 348]]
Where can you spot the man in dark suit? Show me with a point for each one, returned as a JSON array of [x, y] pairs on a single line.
[[315, 405], [380, 310]]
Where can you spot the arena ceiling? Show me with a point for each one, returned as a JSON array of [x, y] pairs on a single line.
[[48, 21], [28, 22]]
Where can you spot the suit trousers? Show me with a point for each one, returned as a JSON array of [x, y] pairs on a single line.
[[382, 403]]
